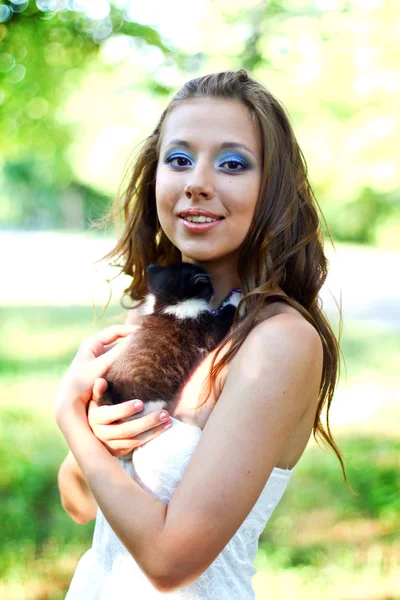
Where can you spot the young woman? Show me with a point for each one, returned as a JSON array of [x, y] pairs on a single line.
[[184, 521]]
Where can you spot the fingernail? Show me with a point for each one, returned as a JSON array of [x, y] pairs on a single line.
[[167, 425], [138, 404], [163, 416]]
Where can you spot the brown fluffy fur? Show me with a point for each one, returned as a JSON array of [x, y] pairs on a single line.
[[165, 350]]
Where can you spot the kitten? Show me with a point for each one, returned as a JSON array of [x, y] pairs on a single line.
[[177, 332]]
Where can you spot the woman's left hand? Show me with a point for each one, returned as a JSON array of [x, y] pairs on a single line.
[[93, 359]]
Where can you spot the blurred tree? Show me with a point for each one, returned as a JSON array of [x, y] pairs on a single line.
[[46, 50], [332, 63]]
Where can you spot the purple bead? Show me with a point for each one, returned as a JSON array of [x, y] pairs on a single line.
[[234, 291]]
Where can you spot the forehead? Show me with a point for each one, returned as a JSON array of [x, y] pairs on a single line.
[[209, 121]]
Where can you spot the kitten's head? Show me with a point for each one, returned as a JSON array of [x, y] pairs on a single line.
[[179, 282]]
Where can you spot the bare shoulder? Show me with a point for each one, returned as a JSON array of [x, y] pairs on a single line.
[[294, 345], [288, 349], [289, 336], [284, 322], [290, 328]]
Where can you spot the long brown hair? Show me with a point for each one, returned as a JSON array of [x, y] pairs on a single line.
[[284, 245]]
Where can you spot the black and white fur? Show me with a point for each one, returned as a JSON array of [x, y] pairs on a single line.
[[177, 331]]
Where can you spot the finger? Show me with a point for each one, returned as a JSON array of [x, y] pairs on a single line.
[[135, 428], [99, 387], [125, 445], [111, 334], [99, 343], [105, 415], [108, 347], [149, 435], [98, 366]]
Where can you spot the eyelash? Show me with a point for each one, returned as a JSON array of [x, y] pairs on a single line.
[[180, 156]]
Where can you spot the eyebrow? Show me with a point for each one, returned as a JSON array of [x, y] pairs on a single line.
[[186, 144]]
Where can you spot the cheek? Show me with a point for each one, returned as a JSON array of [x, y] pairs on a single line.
[[161, 199], [252, 196], [245, 202], [165, 209], [165, 192]]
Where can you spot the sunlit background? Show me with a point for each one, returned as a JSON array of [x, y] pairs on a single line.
[[82, 83]]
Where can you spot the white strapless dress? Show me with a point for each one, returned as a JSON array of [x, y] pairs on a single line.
[[108, 572]]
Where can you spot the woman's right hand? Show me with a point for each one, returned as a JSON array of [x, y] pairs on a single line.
[[121, 437]]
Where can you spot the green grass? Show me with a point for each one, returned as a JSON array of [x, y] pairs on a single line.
[[319, 535], [368, 348], [44, 339]]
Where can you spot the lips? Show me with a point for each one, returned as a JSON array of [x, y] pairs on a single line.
[[193, 212]]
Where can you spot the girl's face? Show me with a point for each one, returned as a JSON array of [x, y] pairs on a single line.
[[210, 160]]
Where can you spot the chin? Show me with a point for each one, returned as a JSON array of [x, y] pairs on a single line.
[[197, 257], [205, 256], [203, 251]]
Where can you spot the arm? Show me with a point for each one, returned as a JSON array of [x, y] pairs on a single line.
[[277, 373], [76, 497], [272, 380]]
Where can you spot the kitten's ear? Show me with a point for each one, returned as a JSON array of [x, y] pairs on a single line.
[[152, 271]]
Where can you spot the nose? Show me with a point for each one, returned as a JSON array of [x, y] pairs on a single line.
[[199, 185]]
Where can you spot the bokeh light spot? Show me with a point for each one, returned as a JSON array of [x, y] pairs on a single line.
[[54, 53], [3, 31], [102, 30], [37, 108], [74, 56], [19, 53], [5, 13], [98, 10], [117, 48], [18, 6], [17, 74], [50, 5], [7, 62]]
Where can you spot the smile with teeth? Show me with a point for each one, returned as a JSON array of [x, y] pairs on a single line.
[[200, 219]]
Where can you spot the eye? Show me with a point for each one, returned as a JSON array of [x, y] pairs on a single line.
[[181, 161], [234, 164], [201, 278]]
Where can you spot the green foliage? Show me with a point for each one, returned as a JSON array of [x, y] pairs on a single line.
[[291, 539], [358, 219], [43, 202], [48, 54], [44, 56], [42, 341], [332, 64], [31, 514], [36, 346], [368, 349]]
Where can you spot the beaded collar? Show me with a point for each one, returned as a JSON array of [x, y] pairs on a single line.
[[225, 301]]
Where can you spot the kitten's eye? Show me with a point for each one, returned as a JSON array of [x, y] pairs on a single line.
[[201, 278]]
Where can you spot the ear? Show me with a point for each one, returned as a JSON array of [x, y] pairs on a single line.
[[152, 272], [153, 269]]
